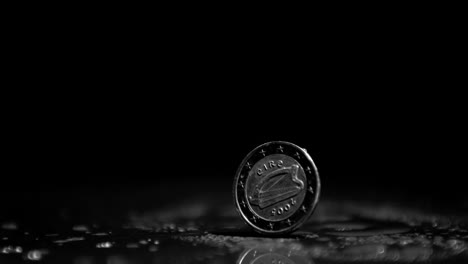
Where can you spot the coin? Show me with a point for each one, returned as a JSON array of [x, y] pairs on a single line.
[[276, 188]]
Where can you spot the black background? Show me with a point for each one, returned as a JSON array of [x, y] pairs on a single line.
[[380, 116], [90, 162]]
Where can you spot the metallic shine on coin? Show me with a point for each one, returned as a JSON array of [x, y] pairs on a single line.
[[276, 188]]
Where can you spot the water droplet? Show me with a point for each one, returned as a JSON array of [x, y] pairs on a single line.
[[371, 232], [116, 260], [132, 245], [104, 245], [367, 251], [80, 228], [405, 241], [156, 242], [413, 253], [11, 249], [345, 226], [36, 255], [153, 248], [100, 234], [10, 226], [456, 244], [69, 240], [84, 260], [312, 236], [143, 242]]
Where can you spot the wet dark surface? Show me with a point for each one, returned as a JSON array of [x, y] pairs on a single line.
[[206, 229]]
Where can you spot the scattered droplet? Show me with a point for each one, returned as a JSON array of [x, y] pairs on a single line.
[[143, 242], [116, 259], [323, 239], [84, 260], [69, 240], [104, 245], [12, 249], [405, 241], [367, 251], [9, 226], [344, 226], [80, 228], [132, 245], [100, 234], [370, 232], [153, 248], [412, 253], [36, 254], [312, 236], [156, 242], [456, 244]]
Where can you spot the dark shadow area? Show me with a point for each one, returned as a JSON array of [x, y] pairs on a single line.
[[161, 165], [73, 165]]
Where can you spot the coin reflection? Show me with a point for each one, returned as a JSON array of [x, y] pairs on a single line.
[[272, 255]]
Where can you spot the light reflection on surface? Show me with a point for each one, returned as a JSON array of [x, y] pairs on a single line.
[[335, 235]]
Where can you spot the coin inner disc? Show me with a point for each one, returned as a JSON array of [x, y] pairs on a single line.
[[276, 187]]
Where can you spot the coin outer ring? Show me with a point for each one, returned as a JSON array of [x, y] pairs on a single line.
[[260, 225]]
